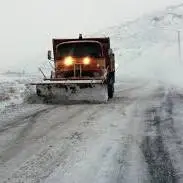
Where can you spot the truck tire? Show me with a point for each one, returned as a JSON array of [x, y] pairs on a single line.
[[38, 92], [110, 91]]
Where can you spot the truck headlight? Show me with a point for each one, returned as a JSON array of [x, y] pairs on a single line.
[[68, 61], [86, 61]]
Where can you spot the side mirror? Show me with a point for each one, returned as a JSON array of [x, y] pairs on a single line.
[[49, 55]]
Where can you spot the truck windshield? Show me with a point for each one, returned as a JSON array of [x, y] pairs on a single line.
[[80, 49]]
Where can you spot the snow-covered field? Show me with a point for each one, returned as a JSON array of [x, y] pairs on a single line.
[[135, 137], [13, 89]]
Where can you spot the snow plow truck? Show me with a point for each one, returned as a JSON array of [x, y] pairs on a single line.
[[84, 69]]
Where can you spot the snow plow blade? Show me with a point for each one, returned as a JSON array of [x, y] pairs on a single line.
[[97, 81], [72, 90]]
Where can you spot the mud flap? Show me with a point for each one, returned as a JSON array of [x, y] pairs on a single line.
[[110, 91]]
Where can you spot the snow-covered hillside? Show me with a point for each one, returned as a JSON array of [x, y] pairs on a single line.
[[148, 46]]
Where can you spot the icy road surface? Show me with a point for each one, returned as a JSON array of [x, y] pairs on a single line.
[[136, 137]]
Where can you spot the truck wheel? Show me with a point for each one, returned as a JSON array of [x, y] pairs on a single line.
[[110, 91], [38, 92]]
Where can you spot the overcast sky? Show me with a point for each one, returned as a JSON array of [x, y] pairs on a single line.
[[27, 26]]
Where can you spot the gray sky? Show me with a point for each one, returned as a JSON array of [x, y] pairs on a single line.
[[27, 26]]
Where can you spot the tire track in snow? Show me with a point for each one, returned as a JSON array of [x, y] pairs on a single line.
[[24, 135], [42, 164], [106, 156], [16, 145], [156, 154], [171, 129], [24, 119]]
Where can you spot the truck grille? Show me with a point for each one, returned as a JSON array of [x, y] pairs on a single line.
[[77, 71]]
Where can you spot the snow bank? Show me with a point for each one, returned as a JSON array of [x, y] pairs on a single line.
[[13, 89]]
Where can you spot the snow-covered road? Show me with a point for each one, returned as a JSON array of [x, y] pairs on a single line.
[[135, 137]]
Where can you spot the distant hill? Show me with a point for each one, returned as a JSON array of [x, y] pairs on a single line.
[[13, 73], [148, 47]]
